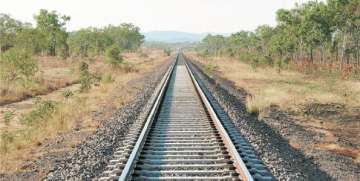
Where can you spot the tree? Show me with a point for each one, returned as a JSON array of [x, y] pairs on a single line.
[[265, 34], [52, 25], [126, 36], [8, 30], [215, 43], [82, 42], [345, 25], [17, 65], [113, 55], [30, 39]]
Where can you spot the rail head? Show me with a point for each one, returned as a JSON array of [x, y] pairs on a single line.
[[238, 162], [129, 166]]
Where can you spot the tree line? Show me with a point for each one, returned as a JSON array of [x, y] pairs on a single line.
[[50, 37], [316, 32]]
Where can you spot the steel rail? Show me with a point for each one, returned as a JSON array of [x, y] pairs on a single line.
[[150, 118], [239, 163]]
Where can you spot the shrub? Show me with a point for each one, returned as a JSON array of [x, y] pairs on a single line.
[[246, 56], [38, 116], [267, 60], [17, 65], [67, 93], [282, 63], [6, 138], [209, 67], [255, 63], [113, 56], [85, 77], [167, 52], [107, 78], [128, 67], [8, 116], [204, 53]]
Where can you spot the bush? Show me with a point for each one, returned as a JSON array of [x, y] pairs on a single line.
[[85, 77], [209, 67], [67, 93], [6, 138], [167, 52], [107, 78], [40, 114], [255, 63], [282, 63], [8, 116], [113, 56], [204, 53], [246, 57], [128, 67], [17, 65]]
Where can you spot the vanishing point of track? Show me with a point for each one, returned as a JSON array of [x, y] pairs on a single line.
[[183, 138]]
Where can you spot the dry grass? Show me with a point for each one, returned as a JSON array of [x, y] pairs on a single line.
[[286, 89], [354, 154], [298, 94], [74, 112], [53, 74]]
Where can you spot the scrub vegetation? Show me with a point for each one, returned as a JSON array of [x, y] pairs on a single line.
[[315, 37], [308, 65], [52, 81]]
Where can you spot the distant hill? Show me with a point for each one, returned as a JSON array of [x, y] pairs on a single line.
[[173, 36]]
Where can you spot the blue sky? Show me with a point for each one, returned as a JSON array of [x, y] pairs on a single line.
[[181, 15]]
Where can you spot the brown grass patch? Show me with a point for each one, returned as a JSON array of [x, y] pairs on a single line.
[[53, 74], [285, 89], [326, 105], [82, 112], [335, 148]]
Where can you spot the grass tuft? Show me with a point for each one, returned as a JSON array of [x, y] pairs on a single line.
[[252, 106]]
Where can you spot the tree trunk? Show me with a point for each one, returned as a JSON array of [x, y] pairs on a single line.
[[311, 55], [53, 44], [301, 56], [343, 50], [322, 54]]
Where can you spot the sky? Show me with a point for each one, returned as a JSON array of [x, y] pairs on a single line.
[[197, 16]]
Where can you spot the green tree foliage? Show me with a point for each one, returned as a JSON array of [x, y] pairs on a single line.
[[30, 39], [215, 43], [85, 77], [40, 115], [92, 41], [84, 42], [126, 36], [167, 51], [17, 65], [52, 25], [49, 36], [113, 55], [8, 29], [314, 32]]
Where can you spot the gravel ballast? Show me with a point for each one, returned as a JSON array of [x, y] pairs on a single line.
[[90, 158], [284, 162]]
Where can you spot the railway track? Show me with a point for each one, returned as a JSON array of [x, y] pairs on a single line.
[[185, 138]]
